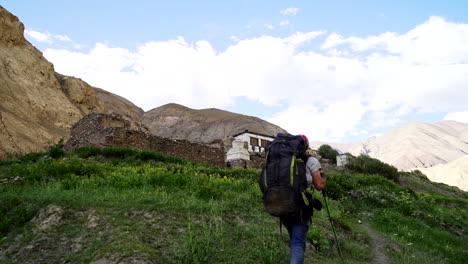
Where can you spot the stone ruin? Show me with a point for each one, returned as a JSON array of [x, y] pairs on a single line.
[[111, 130]]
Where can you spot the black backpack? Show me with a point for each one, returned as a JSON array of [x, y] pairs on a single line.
[[283, 179]]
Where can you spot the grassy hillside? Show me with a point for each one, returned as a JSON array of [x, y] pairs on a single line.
[[127, 206]]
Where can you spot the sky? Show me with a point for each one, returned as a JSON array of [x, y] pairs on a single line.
[[336, 71]]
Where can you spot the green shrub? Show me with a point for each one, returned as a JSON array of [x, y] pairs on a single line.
[[56, 152], [146, 155], [333, 190], [51, 170], [32, 157], [208, 191], [327, 152], [346, 181], [119, 153], [87, 151], [367, 165], [235, 173], [72, 167], [15, 212], [317, 238]]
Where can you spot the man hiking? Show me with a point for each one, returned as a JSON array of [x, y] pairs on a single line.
[[286, 181]]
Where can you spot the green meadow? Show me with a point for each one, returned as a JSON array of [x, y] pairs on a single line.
[[117, 205]]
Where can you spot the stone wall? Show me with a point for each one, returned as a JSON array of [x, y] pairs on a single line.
[[256, 159], [103, 130]]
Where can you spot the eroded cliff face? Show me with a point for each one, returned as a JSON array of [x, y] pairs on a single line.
[[37, 105], [34, 111]]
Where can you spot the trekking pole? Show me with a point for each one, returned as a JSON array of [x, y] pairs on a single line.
[[333, 226]]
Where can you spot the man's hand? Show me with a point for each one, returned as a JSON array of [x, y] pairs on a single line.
[[319, 179]]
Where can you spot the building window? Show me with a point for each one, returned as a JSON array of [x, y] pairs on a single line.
[[254, 141], [264, 143]]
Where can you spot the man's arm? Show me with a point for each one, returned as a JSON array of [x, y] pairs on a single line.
[[314, 170]]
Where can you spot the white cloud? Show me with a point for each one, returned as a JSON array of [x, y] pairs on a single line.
[[300, 38], [332, 41], [284, 23], [350, 86], [457, 116], [291, 11], [331, 122], [338, 53], [270, 27], [234, 38], [48, 38], [41, 37], [435, 42], [63, 38]]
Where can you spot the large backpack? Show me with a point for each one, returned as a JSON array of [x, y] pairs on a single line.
[[283, 179]]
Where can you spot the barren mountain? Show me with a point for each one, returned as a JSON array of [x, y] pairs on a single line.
[[418, 145], [37, 105], [34, 111], [205, 125], [454, 173]]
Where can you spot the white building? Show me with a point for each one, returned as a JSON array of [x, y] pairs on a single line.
[[256, 142], [341, 160], [238, 154]]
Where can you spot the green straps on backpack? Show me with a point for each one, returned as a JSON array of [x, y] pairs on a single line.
[[304, 197], [292, 170], [266, 161]]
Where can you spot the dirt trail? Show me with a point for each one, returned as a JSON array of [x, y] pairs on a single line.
[[378, 245]]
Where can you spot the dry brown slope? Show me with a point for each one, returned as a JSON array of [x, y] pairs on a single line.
[[205, 125], [37, 105], [33, 110]]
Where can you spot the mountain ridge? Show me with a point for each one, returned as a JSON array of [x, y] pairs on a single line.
[[417, 144], [203, 125]]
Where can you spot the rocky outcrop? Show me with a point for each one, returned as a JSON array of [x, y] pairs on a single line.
[[34, 111], [205, 125], [81, 95], [102, 130], [11, 29], [39, 106]]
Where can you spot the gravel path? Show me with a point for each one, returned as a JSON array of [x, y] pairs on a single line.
[[378, 245]]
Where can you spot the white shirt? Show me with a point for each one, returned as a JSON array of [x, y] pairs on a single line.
[[312, 165]]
